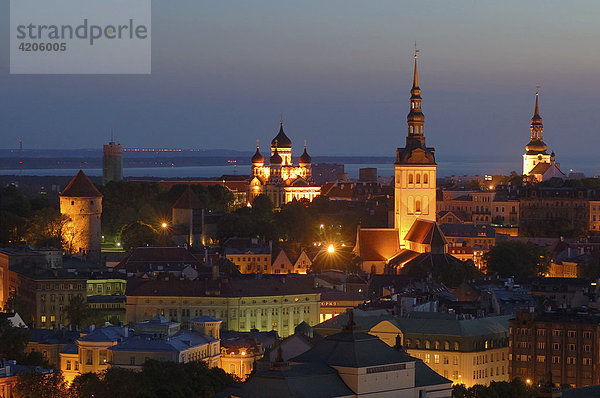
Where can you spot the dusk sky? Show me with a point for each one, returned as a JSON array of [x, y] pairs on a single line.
[[339, 71]]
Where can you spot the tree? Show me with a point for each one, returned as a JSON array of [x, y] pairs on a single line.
[[77, 311], [138, 234], [516, 258], [497, 389], [12, 340], [457, 272], [40, 385], [45, 228]]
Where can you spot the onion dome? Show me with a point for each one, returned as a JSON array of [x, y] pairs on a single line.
[[276, 159], [536, 146], [258, 159], [305, 158], [281, 140]]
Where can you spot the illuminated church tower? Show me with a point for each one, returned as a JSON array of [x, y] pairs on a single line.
[[536, 148], [415, 171]]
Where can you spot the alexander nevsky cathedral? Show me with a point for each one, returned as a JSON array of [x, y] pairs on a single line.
[[280, 179]]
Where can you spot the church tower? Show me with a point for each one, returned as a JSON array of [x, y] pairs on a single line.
[[415, 170], [535, 150], [82, 202]]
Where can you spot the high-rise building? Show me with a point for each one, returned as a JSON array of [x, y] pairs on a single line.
[[415, 170], [82, 202], [112, 163]]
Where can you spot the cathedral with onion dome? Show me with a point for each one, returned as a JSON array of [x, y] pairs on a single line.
[[280, 179]]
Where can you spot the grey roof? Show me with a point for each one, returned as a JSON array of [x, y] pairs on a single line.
[[582, 392], [468, 230], [104, 333], [353, 349], [430, 323], [425, 376], [297, 381], [70, 349], [182, 340], [47, 336]]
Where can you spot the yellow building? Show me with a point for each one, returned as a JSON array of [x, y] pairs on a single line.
[[106, 287], [466, 351], [243, 304], [281, 180], [82, 203], [415, 171]]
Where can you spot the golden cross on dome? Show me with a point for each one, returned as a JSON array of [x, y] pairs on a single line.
[[537, 89]]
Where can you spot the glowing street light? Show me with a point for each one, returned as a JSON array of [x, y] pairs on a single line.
[[330, 248], [164, 225]]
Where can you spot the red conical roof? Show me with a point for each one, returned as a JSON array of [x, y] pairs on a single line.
[[81, 186]]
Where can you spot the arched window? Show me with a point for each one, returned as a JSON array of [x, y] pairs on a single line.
[[418, 178], [418, 343], [417, 205], [407, 343], [425, 178], [456, 346], [437, 345], [446, 346], [410, 178], [427, 344]]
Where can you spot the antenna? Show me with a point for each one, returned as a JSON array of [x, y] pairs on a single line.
[[416, 49], [112, 135]]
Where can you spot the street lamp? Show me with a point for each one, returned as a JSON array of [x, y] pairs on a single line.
[[164, 225], [331, 248]]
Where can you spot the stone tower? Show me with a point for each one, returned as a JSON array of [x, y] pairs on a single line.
[[415, 170], [535, 150], [112, 163], [82, 202]]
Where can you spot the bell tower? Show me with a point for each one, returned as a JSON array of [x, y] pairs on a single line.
[[415, 170], [536, 149]]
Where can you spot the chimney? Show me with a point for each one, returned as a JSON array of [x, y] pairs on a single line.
[[215, 272]]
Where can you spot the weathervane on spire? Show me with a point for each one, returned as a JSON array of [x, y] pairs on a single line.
[[281, 118], [416, 49], [537, 89], [257, 143]]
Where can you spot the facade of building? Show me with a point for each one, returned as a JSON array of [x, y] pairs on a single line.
[[81, 201], [112, 163], [466, 351], [564, 345], [243, 304], [349, 363], [594, 219], [281, 180], [415, 171], [479, 208]]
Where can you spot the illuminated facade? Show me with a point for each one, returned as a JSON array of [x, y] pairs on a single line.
[[415, 171], [281, 180]]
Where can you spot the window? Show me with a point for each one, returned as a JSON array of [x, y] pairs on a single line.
[[427, 358], [572, 333], [556, 333], [587, 361], [455, 360], [456, 346], [587, 348], [132, 360], [572, 347], [555, 346], [587, 334], [425, 178], [555, 359], [446, 361], [571, 360], [418, 206], [43, 318], [436, 358], [540, 358], [410, 178], [541, 346], [68, 365], [446, 346], [418, 178], [427, 344], [541, 332]]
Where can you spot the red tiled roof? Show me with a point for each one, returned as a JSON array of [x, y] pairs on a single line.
[[377, 244], [540, 168], [228, 288], [81, 186], [426, 232], [188, 200], [143, 256]]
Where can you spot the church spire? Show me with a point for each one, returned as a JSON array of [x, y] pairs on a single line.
[[537, 127], [415, 118]]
